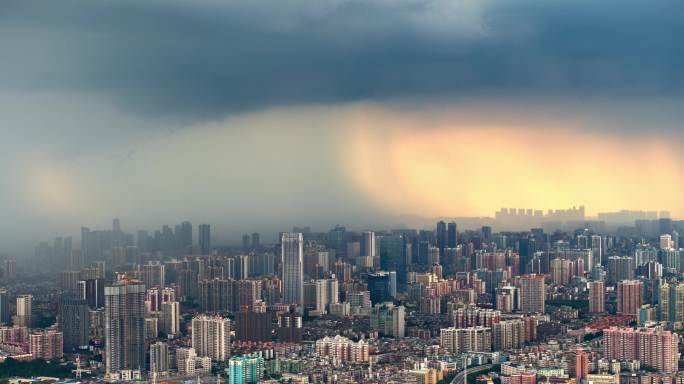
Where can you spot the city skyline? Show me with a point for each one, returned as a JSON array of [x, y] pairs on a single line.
[[251, 113]]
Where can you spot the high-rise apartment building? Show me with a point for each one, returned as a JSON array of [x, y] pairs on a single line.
[[629, 297], [620, 268], [211, 337], [24, 316], [46, 344], [508, 334], [671, 304], [461, 340], [597, 297], [292, 251], [653, 347], [246, 369], [581, 365], [159, 358], [532, 293], [125, 326]]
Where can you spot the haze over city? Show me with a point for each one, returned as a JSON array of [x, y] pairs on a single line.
[[342, 191], [324, 112]]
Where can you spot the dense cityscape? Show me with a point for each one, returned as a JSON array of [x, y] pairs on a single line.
[[571, 300], [342, 191]]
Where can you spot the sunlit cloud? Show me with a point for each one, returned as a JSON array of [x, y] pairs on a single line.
[[456, 165]]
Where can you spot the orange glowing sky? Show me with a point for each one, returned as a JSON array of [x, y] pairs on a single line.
[[452, 166]]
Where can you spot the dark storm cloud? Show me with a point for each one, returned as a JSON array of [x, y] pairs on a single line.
[[205, 59]]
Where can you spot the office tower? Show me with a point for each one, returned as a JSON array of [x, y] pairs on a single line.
[[211, 337], [486, 234], [597, 297], [256, 243], [246, 242], [124, 326], [666, 242], [441, 234], [74, 322], [246, 369], [597, 249], [204, 239], [24, 316], [671, 303], [368, 249], [46, 345], [379, 287], [508, 334], [653, 347], [620, 268], [452, 235], [159, 358], [461, 340], [253, 324], [5, 316], [532, 293], [388, 320], [92, 291], [292, 252], [581, 365], [290, 327], [185, 236], [393, 257], [629, 297], [169, 319], [153, 275]]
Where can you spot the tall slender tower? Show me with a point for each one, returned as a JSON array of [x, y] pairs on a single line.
[[4, 307], [204, 239], [125, 326], [293, 268]]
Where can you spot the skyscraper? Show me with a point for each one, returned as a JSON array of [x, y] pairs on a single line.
[[452, 235], [292, 250], [393, 257], [246, 369], [185, 236], [629, 297], [532, 293], [24, 311], [159, 357], [653, 347], [597, 297], [671, 303], [74, 322], [211, 337], [379, 287], [204, 239], [125, 326], [388, 320], [581, 365], [4, 307], [441, 237]]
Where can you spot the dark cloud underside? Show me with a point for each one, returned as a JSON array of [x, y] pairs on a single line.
[[206, 59]]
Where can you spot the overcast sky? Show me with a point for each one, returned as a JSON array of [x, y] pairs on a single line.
[[260, 115]]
